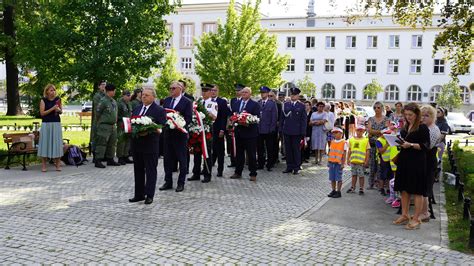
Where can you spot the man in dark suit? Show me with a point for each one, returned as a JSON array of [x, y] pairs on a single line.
[[267, 130], [233, 101], [145, 149], [218, 131], [175, 141], [246, 136], [294, 130], [272, 95]]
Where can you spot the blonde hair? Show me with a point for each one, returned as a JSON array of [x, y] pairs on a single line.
[[429, 110], [45, 91]]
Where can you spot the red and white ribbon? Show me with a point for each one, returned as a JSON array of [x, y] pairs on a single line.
[[176, 126], [127, 125]]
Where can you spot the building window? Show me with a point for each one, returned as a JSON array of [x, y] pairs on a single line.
[[414, 93], [394, 41], [309, 65], [371, 66], [350, 65], [350, 41], [393, 66], [416, 41], [310, 41], [349, 92], [169, 42], [415, 66], [186, 63], [391, 93], [209, 27], [328, 91], [330, 41], [290, 42], [187, 35], [291, 65], [438, 66], [465, 94], [371, 41], [434, 92], [329, 65], [366, 96]]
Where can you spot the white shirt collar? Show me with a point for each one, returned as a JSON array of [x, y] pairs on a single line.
[[177, 99]]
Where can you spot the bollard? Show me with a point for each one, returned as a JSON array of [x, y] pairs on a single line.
[[471, 235], [467, 209], [461, 192]]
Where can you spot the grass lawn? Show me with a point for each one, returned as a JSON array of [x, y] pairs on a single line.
[[458, 228], [75, 137], [24, 120]]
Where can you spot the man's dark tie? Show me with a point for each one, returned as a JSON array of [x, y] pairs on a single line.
[[144, 110], [172, 103], [263, 103]]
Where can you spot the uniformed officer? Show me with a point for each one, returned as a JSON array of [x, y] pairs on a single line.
[[123, 140], [136, 98], [106, 135], [230, 145], [294, 130], [267, 130], [272, 95], [207, 165], [95, 101], [218, 131]]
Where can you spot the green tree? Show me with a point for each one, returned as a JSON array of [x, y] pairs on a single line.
[[450, 95], [372, 89], [240, 51], [87, 41], [456, 25], [307, 86], [166, 74]]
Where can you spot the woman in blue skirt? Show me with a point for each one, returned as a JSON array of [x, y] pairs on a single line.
[[51, 136]]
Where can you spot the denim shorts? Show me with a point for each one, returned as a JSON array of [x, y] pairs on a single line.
[[335, 172]]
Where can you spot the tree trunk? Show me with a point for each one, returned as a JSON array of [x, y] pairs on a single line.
[[13, 95]]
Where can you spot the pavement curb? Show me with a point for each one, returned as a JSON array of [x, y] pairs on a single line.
[[443, 214]]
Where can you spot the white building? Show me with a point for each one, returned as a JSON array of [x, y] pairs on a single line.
[[340, 58]]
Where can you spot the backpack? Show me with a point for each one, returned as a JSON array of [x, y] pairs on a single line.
[[74, 156]]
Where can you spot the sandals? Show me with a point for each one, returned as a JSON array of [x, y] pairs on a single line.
[[413, 225], [401, 220], [350, 190]]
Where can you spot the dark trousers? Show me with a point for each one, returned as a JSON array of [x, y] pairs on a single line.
[[175, 150], [206, 170], [230, 148], [266, 150], [248, 146], [144, 169], [276, 145], [218, 152], [293, 152]]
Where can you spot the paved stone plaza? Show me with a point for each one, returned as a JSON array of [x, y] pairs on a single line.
[[82, 215]]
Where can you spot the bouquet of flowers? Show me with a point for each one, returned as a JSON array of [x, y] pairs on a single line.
[[244, 119], [199, 126], [175, 121], [346, 113], [140, 126]]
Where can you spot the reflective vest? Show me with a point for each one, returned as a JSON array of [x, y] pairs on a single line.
[[393, 153], [336, 152], [358, 149], [386, 154]]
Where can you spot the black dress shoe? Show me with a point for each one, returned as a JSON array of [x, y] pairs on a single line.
[[127, 160], [287, 171], [231, 165], [111, 162], [269, 169], [295, 172], [121, 161], [219, 174], [194, 178], [235, 176], [260, 168], [99, 164], [206, 179], [166, 187], [148, 200], [136, 199], [179, 188]]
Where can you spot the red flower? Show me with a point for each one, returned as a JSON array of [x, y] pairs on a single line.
[[208, 135], [135, 116]]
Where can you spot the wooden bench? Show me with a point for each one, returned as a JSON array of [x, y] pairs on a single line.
[[83, 114], [21, 144]]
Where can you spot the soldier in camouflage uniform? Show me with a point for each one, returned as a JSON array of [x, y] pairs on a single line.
[[123, 140], [106, 129], [95, 101]]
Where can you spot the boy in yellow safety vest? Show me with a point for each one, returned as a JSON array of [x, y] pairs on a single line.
[[358, 158], [384, 170], [336, 160]]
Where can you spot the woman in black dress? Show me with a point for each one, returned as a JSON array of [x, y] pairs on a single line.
[[411, 177]]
